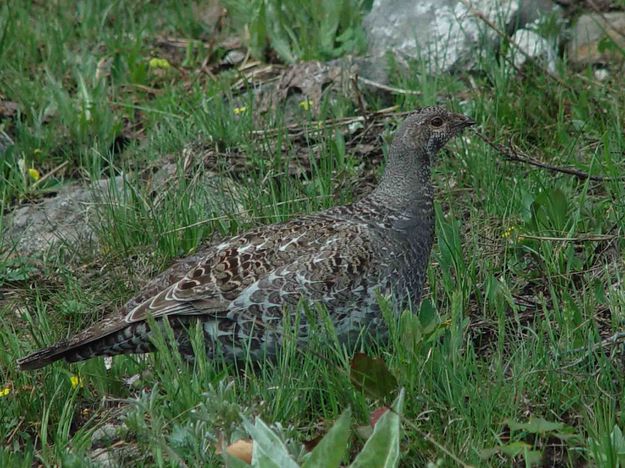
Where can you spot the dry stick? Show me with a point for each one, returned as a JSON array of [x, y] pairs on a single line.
[[341, 122], [53, 171], [610, 341], [15, 430], [597, 238], [360, 100], [513, 154], [390, 89]]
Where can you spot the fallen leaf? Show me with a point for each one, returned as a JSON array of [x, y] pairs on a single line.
[[312, 443], [8, 109], [377, 414], [241, 449], [372, 376]]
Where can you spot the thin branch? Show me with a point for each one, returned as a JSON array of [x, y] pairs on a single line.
[[513, 154], [53, 171], [341, 122], [360, 99], [390, 89], [605, 343], [597, 238]]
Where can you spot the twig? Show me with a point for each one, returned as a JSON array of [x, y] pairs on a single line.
[[255, 69], [360, 100], [342, 122], [597, 238], [53, 171], [610, 341], [244, 213], [513, 154], [14, 431], [390, 89]]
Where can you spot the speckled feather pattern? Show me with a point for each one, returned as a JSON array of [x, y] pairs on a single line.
[[342, 258]]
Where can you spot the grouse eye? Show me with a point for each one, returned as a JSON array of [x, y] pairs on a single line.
[[436, 122]]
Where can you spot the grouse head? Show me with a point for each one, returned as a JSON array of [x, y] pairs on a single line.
[[428, 129]]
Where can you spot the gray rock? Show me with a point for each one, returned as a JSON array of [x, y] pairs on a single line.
[[104, 453], [601, 74], [597, 39], [5, 142], [104, 458], [125, 455], [530, 11], [33, 229], [445, 32], [107, 433], [532, 45], [233, 57], [69, 217]]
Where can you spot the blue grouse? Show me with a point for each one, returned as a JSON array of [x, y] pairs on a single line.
[[342, 258]]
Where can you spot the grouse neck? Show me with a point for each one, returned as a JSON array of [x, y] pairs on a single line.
[[406, 185]]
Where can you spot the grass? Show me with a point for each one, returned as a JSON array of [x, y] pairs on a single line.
[[520, 296]]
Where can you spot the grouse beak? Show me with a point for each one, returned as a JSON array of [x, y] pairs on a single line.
[[461, 121]]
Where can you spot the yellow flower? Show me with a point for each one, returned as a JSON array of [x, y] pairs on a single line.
[[76, 381], [507, 234], [159, 63], [34, 174], [305, 104], [239, 110], [4, 391]]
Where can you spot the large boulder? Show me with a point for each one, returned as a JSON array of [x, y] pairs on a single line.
[[32, 229], [70, 216], [597, 38], [447, 33]]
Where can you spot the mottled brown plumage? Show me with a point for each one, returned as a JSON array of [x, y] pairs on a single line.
[[342, 258]]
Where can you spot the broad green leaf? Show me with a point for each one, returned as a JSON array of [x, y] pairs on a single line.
[[411, 331], [262, 460], [514, 449], [428, 317], [517, 449], [618, 441], [233, 462], [535, 426], [542, 427], [550, 210], [372, 376], [332, 448], [268, 451], [608, 451], [382, 448], [533, 457]]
